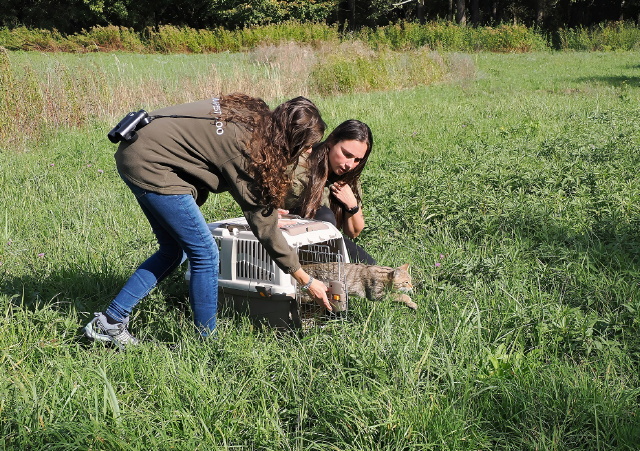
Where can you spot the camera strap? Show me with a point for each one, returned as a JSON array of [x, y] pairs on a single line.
[[177, 116]]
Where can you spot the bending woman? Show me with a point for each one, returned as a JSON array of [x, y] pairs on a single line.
[[326, 183], [235, 144]]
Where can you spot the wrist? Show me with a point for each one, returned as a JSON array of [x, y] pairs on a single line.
[[353, 210], [306, 286]]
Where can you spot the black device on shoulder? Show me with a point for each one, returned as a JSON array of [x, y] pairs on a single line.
[[127, 127], [134, 121]]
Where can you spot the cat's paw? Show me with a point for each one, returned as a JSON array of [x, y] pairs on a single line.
[[406, 300]]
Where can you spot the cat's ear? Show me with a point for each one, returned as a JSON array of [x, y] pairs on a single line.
[[404, 267]]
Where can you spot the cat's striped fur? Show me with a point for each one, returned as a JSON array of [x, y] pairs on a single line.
[[372, 282]]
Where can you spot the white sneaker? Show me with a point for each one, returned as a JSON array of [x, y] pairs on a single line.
[[99, 329]]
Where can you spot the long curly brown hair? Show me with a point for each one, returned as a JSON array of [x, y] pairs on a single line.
[[319, 170], [278, 138]]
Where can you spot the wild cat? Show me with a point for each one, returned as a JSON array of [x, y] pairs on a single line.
[[372, 282]]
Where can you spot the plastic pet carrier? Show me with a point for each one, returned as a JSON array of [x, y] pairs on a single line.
[[251, 283]]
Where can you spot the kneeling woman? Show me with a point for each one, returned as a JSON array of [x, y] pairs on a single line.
[[326, 183], [234, 143]]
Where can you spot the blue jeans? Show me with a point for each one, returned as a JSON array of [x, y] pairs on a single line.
[[180, 229]]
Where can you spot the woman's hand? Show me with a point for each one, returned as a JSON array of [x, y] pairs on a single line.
[[344, 194], [352, 224], [317, 289]]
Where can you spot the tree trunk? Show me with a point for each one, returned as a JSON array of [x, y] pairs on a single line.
[[541, 12], [352, 14], [475, 12], [461, 17], [622, 2], [421, 11], [450, 14]]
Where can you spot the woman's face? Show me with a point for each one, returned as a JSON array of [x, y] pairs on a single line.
[[344, 156]]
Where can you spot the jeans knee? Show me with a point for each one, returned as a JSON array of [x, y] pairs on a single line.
[[205, 258], [171, 252]]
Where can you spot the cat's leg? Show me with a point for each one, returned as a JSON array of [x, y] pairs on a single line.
[[406, 300]]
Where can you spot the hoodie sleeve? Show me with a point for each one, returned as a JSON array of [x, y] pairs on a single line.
[[262, 220]]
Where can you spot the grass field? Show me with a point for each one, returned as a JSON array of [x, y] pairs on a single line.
[[514, 195]]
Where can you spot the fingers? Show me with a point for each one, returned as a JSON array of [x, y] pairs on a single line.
[[319, 291], [344, 190], [344, 194]]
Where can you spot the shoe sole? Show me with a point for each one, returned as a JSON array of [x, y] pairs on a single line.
[[93, 335]]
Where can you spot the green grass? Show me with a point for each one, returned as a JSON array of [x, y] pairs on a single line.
[[514, 196]]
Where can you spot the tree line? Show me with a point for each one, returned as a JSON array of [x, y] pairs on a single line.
[[72, 16]]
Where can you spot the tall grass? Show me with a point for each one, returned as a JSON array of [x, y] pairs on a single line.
[[514, 197], [40, 92], [439, 35]]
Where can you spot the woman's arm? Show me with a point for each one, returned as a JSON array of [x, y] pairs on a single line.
[[353, 223], [264, 225], [265, 228]]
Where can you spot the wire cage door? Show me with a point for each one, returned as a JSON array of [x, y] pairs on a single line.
[[324, 261]]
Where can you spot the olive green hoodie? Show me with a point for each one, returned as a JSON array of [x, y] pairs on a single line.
[[197, 156]]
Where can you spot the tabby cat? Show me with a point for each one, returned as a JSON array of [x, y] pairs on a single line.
[[372, 282]]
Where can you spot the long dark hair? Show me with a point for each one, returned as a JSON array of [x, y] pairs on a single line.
[[278, 138], [319, 171]]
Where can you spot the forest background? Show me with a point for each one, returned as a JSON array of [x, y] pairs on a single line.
[[347, 15]]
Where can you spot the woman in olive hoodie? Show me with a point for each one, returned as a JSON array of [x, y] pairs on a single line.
[[233, 143]]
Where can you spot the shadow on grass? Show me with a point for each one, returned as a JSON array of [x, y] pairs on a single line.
[[78, 293], [617, 81], [597, 270]]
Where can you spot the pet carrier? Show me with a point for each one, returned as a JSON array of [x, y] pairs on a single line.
[[251, 283]]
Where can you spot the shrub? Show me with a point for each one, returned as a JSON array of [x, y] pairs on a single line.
[[302, 33], [23, 38], [604, 37], [355, 68], [439, 35], [169, 39], [110, 38], [511, 38]]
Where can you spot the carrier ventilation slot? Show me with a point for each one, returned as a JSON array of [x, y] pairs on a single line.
[[253, 262], [218, 241]]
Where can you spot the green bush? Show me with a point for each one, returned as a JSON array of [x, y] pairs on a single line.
[[23, 38], [352, 69], [510, 38], [604, 37], [439, 35], [302, 33], [110, 38], [617, 36], [169, 39]]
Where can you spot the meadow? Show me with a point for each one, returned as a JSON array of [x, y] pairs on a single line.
[[509, 182]]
